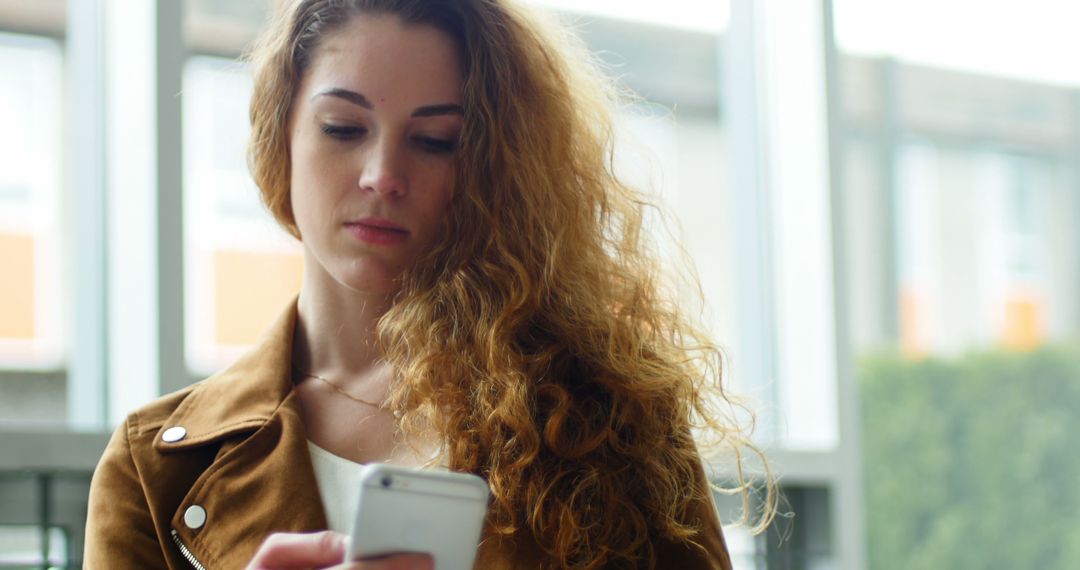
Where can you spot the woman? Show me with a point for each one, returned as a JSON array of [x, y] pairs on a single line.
[[478, 293]]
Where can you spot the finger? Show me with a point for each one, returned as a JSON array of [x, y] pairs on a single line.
[[300, 550]]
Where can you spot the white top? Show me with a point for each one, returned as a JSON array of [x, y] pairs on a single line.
[[339, 486]]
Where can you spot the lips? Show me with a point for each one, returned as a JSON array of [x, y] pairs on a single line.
[[378, 223], [377, 231]]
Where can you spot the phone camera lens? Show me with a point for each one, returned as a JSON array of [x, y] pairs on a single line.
[[387, 481]]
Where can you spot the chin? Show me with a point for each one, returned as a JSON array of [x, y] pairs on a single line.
[[370, 278]]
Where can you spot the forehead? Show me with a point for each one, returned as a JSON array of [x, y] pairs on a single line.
[[384, 57]]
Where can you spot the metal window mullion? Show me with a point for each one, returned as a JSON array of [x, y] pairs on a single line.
[[888, 145], [749, 217], [171, 55], [131, 203], [847, 497], [1073, 157], [85, 216], [45, 502]]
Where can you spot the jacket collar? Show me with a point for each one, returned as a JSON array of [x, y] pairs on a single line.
[[261, 481], [242, 397]]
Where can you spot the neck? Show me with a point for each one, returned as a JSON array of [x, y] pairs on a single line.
[[335, 334]]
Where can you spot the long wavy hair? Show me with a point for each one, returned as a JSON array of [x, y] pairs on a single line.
[[539, 338]]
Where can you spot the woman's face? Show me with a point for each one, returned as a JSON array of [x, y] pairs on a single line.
[[373, 132]]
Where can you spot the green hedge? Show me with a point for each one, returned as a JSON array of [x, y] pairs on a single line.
[[973, 462]]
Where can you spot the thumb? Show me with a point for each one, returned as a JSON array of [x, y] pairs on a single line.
[[282, 551]]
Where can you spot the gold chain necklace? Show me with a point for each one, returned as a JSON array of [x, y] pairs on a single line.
[[342, 391]]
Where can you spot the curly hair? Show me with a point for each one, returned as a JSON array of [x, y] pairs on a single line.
[[539, 339]]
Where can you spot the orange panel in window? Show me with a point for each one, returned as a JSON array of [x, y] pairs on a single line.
[[911, 324], [250, 291], [1023, 324], [17, 286]]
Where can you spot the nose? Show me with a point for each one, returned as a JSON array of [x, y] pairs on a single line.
[[383, 170]]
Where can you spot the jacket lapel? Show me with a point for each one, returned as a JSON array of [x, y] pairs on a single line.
[[262, 480]]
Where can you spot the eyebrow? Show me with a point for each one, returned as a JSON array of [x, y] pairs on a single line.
[[358, 99]]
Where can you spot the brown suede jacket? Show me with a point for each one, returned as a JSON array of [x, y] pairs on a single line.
[[200, 477]]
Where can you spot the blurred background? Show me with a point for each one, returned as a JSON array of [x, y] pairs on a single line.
[[882, 200]]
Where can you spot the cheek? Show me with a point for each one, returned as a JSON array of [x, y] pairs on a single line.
[[306, 163], [318, 177], [307, 194], [300, 189], [440, 185]]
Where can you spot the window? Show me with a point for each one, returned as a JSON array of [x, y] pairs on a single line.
[[762, 257], [960, 197], [31, 239], [35, 323], [241, 268], [30, 547]]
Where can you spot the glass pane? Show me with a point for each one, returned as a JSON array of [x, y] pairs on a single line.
[[745, 552], [962, 208], [44, 17], [43, 519], [677, 144], [241, 269], [748, 552], [30, 234], [24, 547], [223, 26], [689, 14]]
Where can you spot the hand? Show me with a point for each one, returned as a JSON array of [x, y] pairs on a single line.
[[290, 551]]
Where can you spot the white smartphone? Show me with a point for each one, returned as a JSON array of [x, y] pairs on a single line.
[[417, 510]]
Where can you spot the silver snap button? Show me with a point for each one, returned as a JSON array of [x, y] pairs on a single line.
[[195, 516], [174, 434]]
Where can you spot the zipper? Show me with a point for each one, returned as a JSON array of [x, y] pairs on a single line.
[[185, 552]]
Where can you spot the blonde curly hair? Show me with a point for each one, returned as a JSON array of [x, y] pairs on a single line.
[[537, 339]]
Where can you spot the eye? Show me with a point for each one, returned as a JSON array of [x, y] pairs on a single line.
[[343, 132], [437, 145]]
